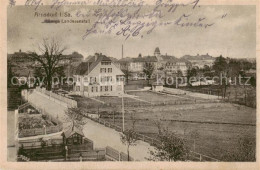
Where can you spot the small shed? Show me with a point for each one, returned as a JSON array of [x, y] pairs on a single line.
[[73, 136], [156, 86]]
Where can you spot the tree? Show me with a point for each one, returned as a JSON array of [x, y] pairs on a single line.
[[51, 55], [60, 74], [128, 138], [10, 74], [179, 73], [170, 148], [221, 68], [220, 65], [126, 71], [191, 72], [206, 68], [75, 115], [148, 70], [39, 75]]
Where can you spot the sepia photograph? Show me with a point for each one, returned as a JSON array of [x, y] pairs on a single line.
[[131, 81]]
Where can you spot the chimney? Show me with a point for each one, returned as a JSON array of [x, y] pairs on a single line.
[[96, 56], [122, 51]]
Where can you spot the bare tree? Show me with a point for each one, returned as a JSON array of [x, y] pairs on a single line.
[[126, 70], [50, 57], [148, 70], [75, 115], [129, 138]]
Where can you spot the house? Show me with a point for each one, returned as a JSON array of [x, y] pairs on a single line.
[[99, 76], [73, 136], [135, 66]]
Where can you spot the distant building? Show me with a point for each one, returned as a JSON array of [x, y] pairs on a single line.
[[200, 60], [99, 76], [19, 57], [162, 63]]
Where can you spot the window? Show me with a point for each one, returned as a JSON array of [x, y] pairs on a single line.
[[111, 87], [106, 78], [105, 63], [106, 88], [92, 89], [77, 88], [103, 70], [96, 89], [86, 88], [109, 70], [101, 88]]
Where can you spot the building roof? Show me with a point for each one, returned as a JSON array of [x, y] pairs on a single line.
[[198, 57], [70, 132], [87, 67]]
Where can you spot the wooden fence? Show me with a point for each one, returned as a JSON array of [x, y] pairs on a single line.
[[113, 155]]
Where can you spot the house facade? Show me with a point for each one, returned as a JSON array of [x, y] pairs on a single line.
[[99, 76]]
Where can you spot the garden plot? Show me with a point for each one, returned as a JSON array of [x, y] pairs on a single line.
[[159, 97]]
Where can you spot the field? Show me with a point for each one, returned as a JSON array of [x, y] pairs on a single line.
[[211, 128]]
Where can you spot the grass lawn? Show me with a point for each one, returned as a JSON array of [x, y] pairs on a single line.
[[218, 126]]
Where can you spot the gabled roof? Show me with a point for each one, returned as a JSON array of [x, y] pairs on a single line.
[[87, 67], [70, 132]]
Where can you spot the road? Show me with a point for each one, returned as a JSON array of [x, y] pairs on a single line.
[[101, 136]]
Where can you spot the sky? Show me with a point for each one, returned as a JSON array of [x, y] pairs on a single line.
[[234, 35]]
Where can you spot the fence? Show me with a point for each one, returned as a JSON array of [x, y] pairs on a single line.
[[57, 98], [113, 154], [45, 130], [39, 131]]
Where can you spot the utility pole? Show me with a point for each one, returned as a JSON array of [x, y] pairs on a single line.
[[123, 113], [122, 51]]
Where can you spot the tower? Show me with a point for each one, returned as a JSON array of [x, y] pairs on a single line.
[[157, 54]]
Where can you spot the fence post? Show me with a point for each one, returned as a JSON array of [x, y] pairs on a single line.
[[200, 158]]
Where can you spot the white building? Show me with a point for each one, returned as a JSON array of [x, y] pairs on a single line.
[[99, 76]]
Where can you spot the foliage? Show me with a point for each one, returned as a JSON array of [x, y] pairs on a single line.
[[171, 148], [49, 59], [75, 115], [191, 72], [179, 73], [126, 71], [220, 65], [39, 75], [148, 70]]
